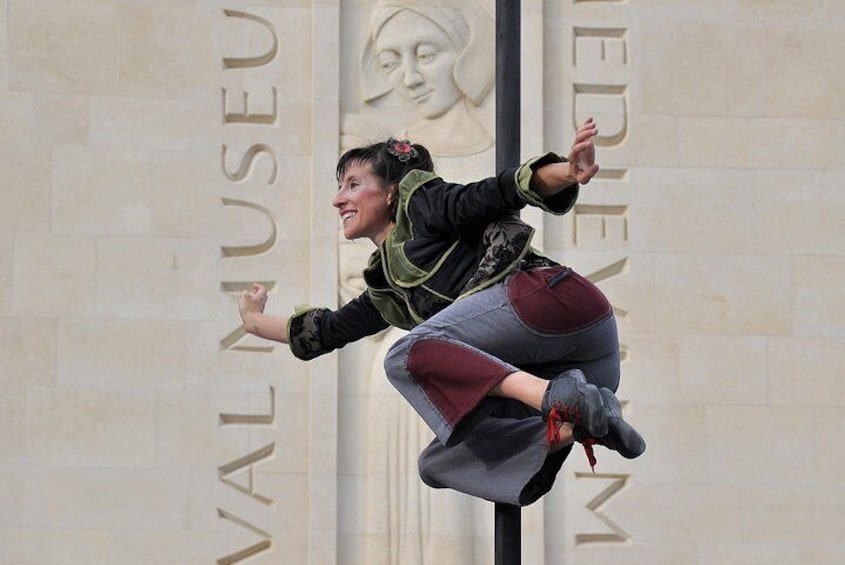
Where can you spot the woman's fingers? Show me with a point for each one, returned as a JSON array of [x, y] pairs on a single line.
[[587, 131], [583, 154], [257, 297], [583, 158]]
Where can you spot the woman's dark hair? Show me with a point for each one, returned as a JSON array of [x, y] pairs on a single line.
[[387, 166]]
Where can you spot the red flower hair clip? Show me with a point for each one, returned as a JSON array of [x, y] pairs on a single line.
[[401, 149]]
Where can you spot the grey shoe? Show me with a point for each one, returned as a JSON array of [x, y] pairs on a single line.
[[621, 436], [569, 398]]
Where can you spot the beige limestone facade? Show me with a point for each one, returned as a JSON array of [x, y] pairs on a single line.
[[156, 156]]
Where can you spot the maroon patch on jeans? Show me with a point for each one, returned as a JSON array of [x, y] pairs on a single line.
[[556, 300], [455, 378]]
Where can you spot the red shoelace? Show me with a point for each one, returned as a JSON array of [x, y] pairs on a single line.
[[556, 419]]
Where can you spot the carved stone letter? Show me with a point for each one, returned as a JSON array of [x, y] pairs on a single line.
[[250, 551], [609, 105], [245, 250], [247, 161], [247, 462], [246, 117], [257, 61], [608, 216]]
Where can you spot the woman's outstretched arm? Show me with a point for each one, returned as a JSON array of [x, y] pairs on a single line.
[[551, 178]]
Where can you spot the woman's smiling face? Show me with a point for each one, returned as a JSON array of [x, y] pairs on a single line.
[[362, 202], [419, 59]]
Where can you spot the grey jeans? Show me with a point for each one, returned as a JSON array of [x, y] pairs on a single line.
[[543, 321]]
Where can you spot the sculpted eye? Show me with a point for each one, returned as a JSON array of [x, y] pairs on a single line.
[[426, 54], [388, 60]]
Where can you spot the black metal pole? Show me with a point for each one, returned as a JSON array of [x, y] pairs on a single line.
[[508, 74], [508, 534], [508, 523]]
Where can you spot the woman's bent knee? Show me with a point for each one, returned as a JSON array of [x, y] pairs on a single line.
[[396, 359]]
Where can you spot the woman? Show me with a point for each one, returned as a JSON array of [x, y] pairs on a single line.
[[510, 356]]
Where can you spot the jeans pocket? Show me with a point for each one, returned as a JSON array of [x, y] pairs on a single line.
[[556, 301], [559, 277]]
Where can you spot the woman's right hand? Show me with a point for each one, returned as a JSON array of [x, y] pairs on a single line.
[[582, 156]]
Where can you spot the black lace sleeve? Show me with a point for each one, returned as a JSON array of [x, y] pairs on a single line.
[[317, 331]]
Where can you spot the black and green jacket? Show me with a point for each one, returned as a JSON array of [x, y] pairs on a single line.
[[450, 240]]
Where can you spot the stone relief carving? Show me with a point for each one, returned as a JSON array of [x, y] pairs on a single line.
[[438, 56], [426, 72]]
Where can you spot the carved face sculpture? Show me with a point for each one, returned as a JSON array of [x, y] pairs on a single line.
[[361, 201], [419, 59]]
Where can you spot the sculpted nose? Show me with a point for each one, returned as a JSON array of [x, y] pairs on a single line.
[[411, 75]]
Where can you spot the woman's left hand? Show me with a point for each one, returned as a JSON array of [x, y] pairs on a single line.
[[252, 301], [582, 156]]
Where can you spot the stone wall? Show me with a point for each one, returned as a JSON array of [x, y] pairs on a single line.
[[158, 155]]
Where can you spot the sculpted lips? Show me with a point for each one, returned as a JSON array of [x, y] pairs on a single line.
[[420, 97], [346, 214]]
